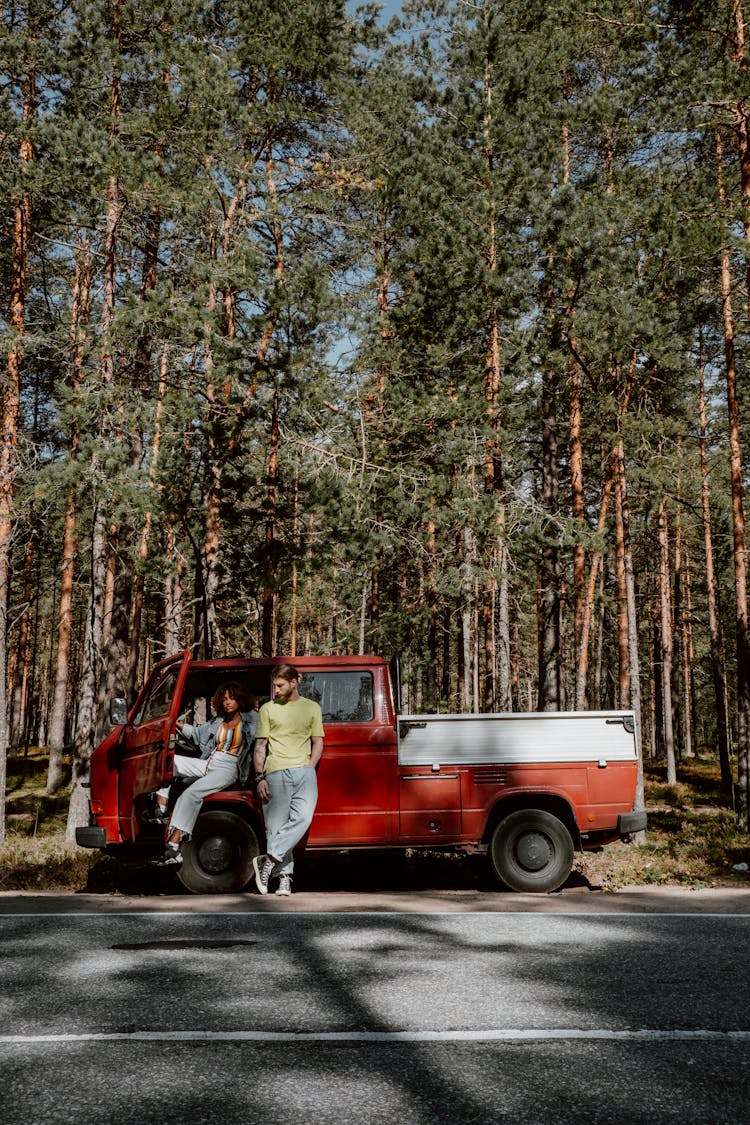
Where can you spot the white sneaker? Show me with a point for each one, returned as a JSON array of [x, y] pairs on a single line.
[[285, 885]]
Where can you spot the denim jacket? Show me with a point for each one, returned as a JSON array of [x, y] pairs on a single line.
[[204, 737]]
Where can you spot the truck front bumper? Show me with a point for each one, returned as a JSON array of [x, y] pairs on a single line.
[[91, 837], [630, 822]]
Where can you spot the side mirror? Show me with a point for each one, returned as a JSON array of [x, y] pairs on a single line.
[[118, 712]]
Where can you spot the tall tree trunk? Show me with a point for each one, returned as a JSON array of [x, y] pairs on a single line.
[[742, 632], [687, 652], [57, 721], [224, 430], [495, 596], [655, 739], [718, 669], [738, 512], [742, 128], [136, 608], [10, 399], [549, 593], [634, 663], [623, 643], [268, 636], [613, 476], [601, 621], [24, 662], [577, 493], [467, 616], [582, 665], [681, 687], [374, 405], [666, 639], [113, 680], [173, 592], [143, 359], [309, 587], [87, 719], [294, 583], [578, 509], [207, 562], [57, 724], [432, 672]]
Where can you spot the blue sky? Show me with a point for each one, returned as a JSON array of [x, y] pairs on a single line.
[[390, 7]]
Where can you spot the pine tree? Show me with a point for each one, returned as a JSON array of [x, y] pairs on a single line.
[[28, 31]]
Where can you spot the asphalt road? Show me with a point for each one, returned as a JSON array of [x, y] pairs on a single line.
[[437, 1007]]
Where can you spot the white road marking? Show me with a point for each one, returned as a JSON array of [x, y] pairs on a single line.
[[640, 1035], [361, 914]]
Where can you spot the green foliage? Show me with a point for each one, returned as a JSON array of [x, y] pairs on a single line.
[[307, 301]]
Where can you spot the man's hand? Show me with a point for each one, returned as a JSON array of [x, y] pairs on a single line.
[[263, 791]]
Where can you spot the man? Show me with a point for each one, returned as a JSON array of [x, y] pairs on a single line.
[[288, 747]]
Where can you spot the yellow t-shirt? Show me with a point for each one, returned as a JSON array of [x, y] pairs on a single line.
[[289, 728]]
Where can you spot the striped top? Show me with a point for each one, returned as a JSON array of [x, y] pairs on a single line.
[[230, 740]]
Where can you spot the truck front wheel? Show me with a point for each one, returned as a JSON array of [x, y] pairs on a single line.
[[218, 859], [531, 850]]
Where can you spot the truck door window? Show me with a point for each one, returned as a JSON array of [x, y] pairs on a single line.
[[157, 702], [344, 697]]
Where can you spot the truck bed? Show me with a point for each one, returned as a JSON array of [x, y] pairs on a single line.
[[560, 736]]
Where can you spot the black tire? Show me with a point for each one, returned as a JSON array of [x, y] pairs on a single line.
[[531, 850], [218, 859]]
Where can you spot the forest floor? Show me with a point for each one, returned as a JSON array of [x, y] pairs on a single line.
[[692, 839]]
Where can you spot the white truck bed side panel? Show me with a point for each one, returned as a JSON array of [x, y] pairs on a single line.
[[568, 736]]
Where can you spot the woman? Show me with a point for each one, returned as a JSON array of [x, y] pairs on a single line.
[[224, 742]]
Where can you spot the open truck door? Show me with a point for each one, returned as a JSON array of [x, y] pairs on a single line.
[[146, 746]]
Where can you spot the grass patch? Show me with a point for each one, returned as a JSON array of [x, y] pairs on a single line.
[[44, 864], [35, 855], [692, 839]]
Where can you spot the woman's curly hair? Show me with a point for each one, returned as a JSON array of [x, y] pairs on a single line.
[[245, 699]]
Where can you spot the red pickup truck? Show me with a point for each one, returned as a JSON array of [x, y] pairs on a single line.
[[524, 789]]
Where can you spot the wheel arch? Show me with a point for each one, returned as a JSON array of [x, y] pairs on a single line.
[[546, 802], [251, 816]]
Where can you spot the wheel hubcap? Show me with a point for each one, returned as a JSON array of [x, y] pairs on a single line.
[[533, 851], [215, 854]]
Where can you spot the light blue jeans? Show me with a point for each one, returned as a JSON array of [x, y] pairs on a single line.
[[214, 773], [289, 812]]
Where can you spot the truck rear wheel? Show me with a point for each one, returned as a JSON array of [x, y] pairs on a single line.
[[531, 850], [218, 859]]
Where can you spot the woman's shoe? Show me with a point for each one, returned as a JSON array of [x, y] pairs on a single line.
[[172, 855], [156, 814]]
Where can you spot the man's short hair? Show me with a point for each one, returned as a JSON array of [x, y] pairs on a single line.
[[285, 672]]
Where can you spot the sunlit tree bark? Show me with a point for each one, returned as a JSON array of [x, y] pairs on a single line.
[[10, 397]]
